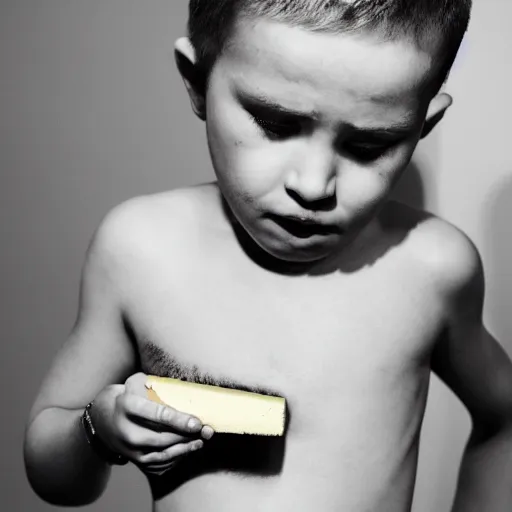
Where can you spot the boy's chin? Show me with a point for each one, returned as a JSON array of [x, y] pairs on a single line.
[[266, 248], [304, 254]]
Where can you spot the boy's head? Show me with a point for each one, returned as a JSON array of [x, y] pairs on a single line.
[[440, 24], [313, 108]]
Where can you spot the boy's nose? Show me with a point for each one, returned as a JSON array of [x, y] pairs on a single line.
[[313, 177]]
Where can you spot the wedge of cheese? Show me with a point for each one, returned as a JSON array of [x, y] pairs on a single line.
[[225, 410]]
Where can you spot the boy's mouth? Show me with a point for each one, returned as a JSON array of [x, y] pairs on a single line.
[[304, 228]]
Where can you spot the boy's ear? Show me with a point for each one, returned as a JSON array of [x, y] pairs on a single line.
[[436, 110], [186, 62]]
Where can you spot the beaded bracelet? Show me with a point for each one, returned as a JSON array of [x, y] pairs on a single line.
[[98, 446]]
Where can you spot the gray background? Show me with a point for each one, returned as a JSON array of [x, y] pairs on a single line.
[[93, 112]]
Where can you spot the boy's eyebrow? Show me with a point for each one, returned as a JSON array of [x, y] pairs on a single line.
[[259, 100], [401, 128]]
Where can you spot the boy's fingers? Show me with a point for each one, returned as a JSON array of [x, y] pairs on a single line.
[[161, 414], [143, 440], [207, 432], [164, 467], [136, 384], [171, 453]]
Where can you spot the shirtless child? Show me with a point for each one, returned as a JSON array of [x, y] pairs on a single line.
[[293, 274]]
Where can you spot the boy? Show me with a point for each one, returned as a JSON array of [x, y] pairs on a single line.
[[293, 274]]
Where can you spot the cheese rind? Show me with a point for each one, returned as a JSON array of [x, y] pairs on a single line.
[[225, 410]]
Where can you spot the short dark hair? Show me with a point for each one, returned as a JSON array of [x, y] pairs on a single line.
[[446, 21]]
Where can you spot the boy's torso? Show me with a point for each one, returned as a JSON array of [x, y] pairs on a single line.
[[349, 350]]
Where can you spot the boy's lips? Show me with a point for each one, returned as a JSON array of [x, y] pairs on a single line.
[[304, 227]]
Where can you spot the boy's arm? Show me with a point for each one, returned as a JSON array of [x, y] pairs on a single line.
[[60, 465], [473, 364]]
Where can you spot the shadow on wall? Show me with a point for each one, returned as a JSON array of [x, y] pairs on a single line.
[[497, 230]]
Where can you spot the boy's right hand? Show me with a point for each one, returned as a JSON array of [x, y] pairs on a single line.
[[151, 435]]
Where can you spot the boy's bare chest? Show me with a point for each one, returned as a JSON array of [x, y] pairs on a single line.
[[312, 336]]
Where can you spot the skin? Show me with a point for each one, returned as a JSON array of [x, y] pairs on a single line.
[[309, 161], [346, 325]]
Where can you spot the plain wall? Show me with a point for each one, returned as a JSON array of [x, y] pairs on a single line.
[[92, 112]]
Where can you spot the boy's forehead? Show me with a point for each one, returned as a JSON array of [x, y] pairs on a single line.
[[298, 63]]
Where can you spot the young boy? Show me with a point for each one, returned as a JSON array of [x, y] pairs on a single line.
[[292, 274]]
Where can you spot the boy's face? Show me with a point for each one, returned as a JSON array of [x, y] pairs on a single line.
[[308, 132]]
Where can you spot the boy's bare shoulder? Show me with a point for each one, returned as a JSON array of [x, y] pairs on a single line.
[[144, 226], [442, 249], [172, 209]]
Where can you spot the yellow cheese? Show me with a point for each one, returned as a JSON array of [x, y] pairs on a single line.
[[225, 410]]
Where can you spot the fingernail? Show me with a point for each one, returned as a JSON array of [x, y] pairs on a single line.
[[197, 445], [193, 423], [208, 432]]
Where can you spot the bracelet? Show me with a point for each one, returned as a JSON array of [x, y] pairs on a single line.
[[97, 445]]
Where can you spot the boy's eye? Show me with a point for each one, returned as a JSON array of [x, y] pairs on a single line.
[[368, 152], [277, 130]]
